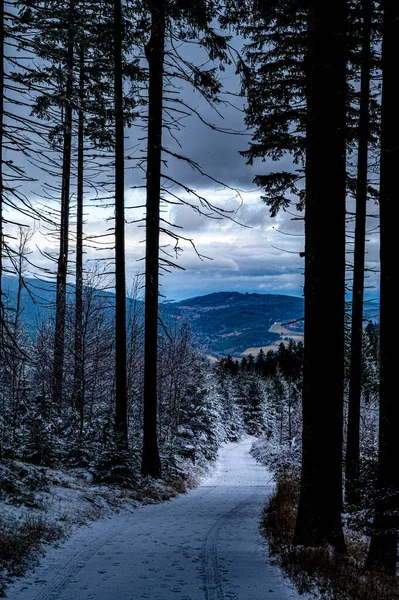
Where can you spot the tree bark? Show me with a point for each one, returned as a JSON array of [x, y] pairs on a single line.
[[120, 276], [384, 540], [2, 23], [62, 265], [155, 56], [355, 377], [78, 398], [319, 512]]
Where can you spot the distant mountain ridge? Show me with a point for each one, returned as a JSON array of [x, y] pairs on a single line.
[[241, 323], [232, 322], [223, 322]]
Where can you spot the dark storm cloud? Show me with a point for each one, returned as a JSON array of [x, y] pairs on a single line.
[[217, 153]]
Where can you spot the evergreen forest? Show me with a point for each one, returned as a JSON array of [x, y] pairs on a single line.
[[104, 387]]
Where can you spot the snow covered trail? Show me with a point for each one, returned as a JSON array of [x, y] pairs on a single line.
[[204, 545]]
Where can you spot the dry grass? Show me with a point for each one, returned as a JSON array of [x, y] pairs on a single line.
[[152, 490], [20, 543], [320, 571]]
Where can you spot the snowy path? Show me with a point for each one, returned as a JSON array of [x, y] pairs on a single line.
[[204, 545]]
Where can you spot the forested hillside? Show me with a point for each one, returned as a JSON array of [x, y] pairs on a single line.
[[222, 323]]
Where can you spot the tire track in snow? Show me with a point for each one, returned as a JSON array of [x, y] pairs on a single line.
[[209, 561], [213, 586], [201, 546], [57, 584], [71, 567]]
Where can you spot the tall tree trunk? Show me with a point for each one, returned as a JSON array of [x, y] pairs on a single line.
[[120, 277], [62, 266], [155, 55], [319, 512], [353, 438], [2, 23], [78, 367], [384, 540]]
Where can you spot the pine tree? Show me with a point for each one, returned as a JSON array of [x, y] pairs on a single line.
[[355, 376], [62, 265], [155, 50], [53, 88], [15, 148], [302, 117], [384, 540], [78, 388], [120, 280], [275, 62], [320, 504], [2, 90], [172, 20]]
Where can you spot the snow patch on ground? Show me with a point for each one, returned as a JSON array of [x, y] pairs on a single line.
[[201, 545], [35, 498]]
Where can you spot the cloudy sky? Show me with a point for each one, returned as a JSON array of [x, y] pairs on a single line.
[[250, 251], [244, 251], [247, 250]]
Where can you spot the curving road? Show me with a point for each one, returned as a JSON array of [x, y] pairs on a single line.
[[203, 545]]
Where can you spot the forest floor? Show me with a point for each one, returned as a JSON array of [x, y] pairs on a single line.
[[205, 544]]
